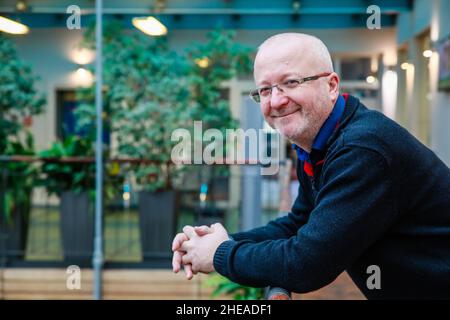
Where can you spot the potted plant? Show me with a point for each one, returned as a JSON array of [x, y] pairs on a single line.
[[18, 103], [17, 181], [143, 122], [145, 98], [213, 62], [182, 92], [149, 91], [72, 180]]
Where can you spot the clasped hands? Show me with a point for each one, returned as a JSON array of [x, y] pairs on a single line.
[[195, 247]]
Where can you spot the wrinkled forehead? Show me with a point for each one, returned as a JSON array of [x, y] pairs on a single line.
[[273, 63]]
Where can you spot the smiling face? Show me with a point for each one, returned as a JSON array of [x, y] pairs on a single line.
[[299, 115]]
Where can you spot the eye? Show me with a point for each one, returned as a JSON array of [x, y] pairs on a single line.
[[264, 91], [291, 83]]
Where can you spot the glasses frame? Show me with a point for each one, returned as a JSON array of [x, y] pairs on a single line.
[[254, 94]]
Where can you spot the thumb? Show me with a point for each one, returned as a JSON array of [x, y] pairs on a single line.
[[202, 230]]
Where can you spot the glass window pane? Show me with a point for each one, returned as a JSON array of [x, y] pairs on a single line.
[[355, 68]]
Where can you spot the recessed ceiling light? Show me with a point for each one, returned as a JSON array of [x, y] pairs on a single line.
[[13, 27], [150, 26]]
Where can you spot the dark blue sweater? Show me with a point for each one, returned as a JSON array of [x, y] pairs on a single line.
[[379, 198]]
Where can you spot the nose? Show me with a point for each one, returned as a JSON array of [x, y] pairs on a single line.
[[278, 99]]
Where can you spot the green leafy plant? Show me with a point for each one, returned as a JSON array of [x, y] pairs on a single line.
[[69, 166], [19, 98], [19, 101], [150, 90], [18, 177], [144, 98], [60, 175], [225, 59], [224, 286]]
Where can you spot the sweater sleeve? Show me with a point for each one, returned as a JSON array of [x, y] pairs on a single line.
[[283, 227], [354, 207]]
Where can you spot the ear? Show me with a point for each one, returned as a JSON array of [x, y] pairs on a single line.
[[333, 84]]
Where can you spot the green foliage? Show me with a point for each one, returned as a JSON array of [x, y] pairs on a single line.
[[150, 90], [76, 175], [225, 286], [60, 176], [19, 100], [18, 176], [18, 96], [226, 60]]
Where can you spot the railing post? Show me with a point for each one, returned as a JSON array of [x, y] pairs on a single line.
[[98, 241]]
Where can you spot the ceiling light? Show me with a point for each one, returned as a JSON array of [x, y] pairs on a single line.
[[404, 65], [21, 6], [83, 77], [427, 53], [371, 79], [10, 26], [82, 56], [150, 26]]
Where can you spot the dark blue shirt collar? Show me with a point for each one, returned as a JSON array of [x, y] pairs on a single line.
[[325, 131]]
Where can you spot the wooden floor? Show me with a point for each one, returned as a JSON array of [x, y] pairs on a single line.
[[342, 288], [34, 283]]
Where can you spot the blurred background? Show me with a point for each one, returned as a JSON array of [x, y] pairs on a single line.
[[166, 64]]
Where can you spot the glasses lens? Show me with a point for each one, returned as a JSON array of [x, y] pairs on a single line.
[[255, 96]]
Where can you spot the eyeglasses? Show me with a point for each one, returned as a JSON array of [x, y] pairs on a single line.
[[287, 87]]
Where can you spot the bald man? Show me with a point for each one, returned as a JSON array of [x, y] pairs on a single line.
[[372, 200]]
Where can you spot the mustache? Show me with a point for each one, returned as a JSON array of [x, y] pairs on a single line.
[[283, 113]]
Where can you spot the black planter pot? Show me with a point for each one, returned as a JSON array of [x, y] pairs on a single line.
[[14, 231], [157, 224], [77, 228]]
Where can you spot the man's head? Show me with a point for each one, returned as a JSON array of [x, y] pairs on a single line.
[[299, 114]]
